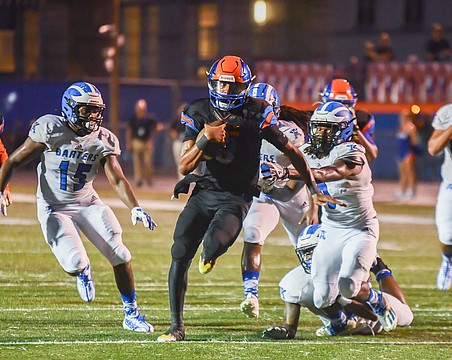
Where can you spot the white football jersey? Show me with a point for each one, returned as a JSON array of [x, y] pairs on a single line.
[[269, 153], [355, 191], [70, 163], [442, 121]]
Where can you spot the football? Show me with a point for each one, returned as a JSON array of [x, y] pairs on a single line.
[[212, 150]]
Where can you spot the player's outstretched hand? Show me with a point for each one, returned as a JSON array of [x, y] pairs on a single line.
[[322, 199], [271, 172], [3, 204], [139, 215]]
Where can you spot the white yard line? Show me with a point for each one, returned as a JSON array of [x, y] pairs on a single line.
[[177, 205], [188, 342]]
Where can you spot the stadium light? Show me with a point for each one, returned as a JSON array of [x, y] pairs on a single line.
[[260, 12]]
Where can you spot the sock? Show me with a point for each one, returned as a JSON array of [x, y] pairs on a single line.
[[382, 274], [129, 302], [251, 282], [340, 321], [375, 299], [447, 257]]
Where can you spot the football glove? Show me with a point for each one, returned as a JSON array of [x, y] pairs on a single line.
[[139, 215], [271, 172], [3, 204]]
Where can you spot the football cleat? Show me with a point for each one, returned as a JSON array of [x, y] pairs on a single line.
[[206, 267], [276, 333], [85, 285], [386, 316], [133, 321], [338, 330], [173, 334], [444, 277], [250, 306]]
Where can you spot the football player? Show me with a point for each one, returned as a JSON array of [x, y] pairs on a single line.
[[73, 147], [285, 199], [349, 235], [3, 157], [342, 91], [296, 290], [441, 142], [226, 131]]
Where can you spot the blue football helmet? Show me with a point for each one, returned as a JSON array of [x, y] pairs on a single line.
[[229, 79], [341, 91], [82, 107], [331, 124], [2, 123], [306, 243], [268, 93]]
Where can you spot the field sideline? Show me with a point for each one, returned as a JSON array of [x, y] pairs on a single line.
[[41, 315]]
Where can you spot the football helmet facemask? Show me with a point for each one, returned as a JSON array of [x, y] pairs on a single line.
[[306, 243], [82, 107], [229, 79], [341, 91], [331, 124], [268, 93]]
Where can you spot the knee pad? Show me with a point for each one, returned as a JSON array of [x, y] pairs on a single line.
[[348, 287], [119, 255], [180, 251], [253, 236], [323, 298], [73, 264]]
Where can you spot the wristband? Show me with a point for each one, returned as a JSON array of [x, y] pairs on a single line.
[[202, 143]]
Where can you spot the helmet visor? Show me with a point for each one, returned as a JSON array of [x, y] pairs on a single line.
[[227, 88]]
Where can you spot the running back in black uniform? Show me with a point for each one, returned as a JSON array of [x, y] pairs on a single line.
[[222, 196]]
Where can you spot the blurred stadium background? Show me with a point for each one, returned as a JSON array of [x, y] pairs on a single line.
[[159, 50]]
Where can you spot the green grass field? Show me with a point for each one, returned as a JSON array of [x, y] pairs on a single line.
[[41, 315]]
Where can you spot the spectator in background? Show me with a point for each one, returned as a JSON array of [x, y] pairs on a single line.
[[369, 52], [176, 133], [384, 50], [409, 145], [437, 47], [141, 134], [3, 158]]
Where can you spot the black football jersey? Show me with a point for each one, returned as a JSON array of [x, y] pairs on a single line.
[[236, 168]]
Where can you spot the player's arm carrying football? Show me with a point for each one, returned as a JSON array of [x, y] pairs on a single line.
[[193, 151]]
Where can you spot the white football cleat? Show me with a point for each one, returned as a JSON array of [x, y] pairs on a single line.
[[444, 277], [386, 316], [250, 306], [341, 330], [85, 285], [133, 321]]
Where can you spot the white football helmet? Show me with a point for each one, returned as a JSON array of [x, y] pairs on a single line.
[[331, 124], [82, 107], [306, 243]]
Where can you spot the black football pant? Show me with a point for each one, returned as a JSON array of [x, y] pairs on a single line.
[[210, 216]]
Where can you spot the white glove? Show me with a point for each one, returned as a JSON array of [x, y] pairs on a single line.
[[3, 204], [271, 172], [139, 215]]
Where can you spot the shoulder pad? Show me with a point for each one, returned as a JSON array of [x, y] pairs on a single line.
[[443, 118], [292, 131]]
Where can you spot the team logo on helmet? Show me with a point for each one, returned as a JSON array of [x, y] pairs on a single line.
[[331, 124], [229, 79], [82, 107]]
